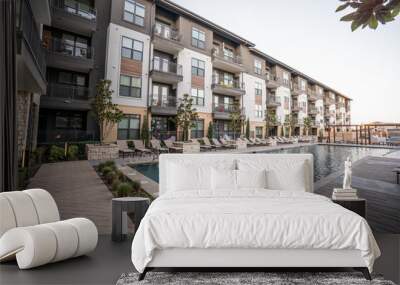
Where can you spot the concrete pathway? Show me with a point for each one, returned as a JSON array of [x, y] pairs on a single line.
[[78, 191]]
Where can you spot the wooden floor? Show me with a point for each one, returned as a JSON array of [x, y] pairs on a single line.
[[375, 181], [78, 191]]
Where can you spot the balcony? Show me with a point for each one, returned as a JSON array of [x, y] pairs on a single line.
[[312, 111], [273, 81], [65, 135], [67, 55], [167, 39], [223, 111], [273, 102], [227, 87], [295, 90], [313, 96], [340, 105], [329, 101], [295, 109], [227, 62], [163, 105], [31, 61], [66, 97], [165, 71], [73, 16]]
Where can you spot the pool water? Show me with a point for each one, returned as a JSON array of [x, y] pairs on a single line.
[[327, 159]]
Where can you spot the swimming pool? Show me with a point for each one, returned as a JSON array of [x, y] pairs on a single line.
[[327, 159]]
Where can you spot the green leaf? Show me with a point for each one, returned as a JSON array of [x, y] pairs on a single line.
[[349, 17], [355, 25], [342, 7], [396, 11], [373, 23]]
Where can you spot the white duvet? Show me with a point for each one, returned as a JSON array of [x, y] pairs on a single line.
[[250, 219]]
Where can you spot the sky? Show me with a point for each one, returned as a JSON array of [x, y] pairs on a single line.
[[307, 35]]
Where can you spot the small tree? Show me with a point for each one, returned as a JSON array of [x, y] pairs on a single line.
[[106, 113], [236, 118], [145, 133], [210, 131], [307, 125], [248, 128], [186, 115], [270, 120], [290, 123]]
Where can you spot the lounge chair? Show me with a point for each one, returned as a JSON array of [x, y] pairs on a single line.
[[202, 146], [260, 141], [124, 149], [139, 147], [156, 145], [208, 143], [170, 145], [227, 144], [250, 143], [218, 144]]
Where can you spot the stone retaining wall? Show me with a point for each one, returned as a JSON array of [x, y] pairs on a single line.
[[102, 152]]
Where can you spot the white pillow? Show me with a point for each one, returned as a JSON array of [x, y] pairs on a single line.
[[223, 179], [293, 179], [183, 177], [251, 178]]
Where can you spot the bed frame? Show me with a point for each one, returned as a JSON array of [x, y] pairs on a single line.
[[243, 260]]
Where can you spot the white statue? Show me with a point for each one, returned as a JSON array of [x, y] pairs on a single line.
[[347, 174]]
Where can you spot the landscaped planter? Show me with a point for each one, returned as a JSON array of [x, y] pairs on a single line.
[[188, 147], [240, 144], [102, 152]]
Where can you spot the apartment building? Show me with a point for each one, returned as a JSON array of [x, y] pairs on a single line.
[[74, 45], [31, 71], [154, 52]]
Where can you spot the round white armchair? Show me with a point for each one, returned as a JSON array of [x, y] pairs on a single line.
[[31, 230]]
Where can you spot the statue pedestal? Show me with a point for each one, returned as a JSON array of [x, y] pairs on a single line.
[[344, 194]]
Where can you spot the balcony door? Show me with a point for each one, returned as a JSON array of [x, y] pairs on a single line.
[[163, 30], [75, 45], [161, 64], [160, 94]]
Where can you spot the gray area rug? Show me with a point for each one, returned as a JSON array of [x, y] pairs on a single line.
[[229, 278]]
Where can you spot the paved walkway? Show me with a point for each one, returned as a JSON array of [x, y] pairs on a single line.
[[78, 191]]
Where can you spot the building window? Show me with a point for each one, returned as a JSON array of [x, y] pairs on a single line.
[[286, 103], [302, 84], [198, 38], [69, 120], [198, 67], [258, 88], [198, 96], [197, 129], [130, 86], [132, 49], [286, 80], [257, 67], [129, 128], [134, 12], [258, 111], [259, 132]]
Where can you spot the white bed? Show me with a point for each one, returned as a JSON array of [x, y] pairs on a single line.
[[201, 219]]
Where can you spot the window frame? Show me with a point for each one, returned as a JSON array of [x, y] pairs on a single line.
[[258, 91], [196, 42], [196, 68], [130, 86], [257, 69], [132, 49], [258, 111], [196, 130], [129, 129], [197, 98], [134, 14]]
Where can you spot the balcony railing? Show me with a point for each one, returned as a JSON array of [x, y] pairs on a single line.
[[161, 65], [27, 30], [166, 32], [220, 54], [65, 135], [67, 91], [231, 83], [76, 8], [273, 100], [329, 101], [159, 101], [312, 110], [226, 108], [72, 49]]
